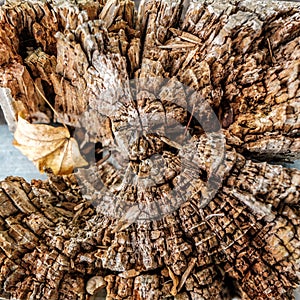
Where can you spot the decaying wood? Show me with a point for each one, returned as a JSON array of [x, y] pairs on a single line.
[[233, 228], [248, 234]]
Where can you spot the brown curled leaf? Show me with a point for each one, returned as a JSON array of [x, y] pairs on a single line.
[[48, 147]]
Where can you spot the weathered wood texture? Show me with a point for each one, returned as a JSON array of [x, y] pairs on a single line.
[[241, 58], [53, 241]]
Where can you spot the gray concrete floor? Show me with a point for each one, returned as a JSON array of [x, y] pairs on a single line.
[[12, 161]]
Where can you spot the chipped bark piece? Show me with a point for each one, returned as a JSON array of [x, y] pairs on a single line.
[[141, 287], [207, 284], [17, 79], [41, 64], [18, 196], [154, 20]]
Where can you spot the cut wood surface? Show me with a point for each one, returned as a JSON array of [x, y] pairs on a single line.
[[179, 108]]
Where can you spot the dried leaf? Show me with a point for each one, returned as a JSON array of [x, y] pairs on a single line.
[[48, 147]]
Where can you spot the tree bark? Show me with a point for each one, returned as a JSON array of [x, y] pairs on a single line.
[[153, 217]]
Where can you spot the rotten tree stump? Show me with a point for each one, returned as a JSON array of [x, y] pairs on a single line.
[[179, 108]]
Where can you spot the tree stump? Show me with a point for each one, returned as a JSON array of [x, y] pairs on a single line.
[[180, 109]]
